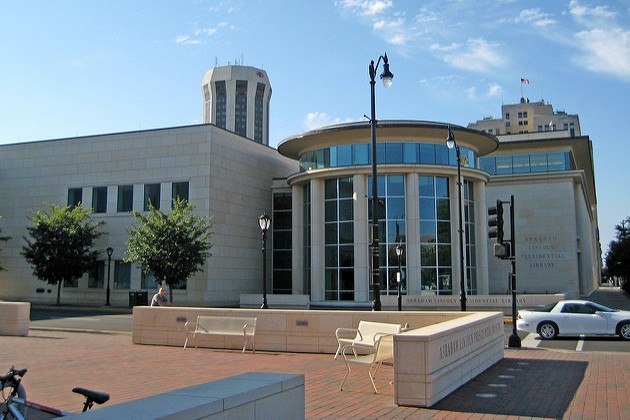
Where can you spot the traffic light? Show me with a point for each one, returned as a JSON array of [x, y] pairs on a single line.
[[495, 222]]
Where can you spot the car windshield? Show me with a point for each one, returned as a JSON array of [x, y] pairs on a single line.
[[601, 308]]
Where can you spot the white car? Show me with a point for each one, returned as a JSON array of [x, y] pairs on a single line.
[[574, 317]]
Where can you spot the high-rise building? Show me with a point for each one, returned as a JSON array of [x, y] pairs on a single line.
[[236, 98], [529, 117]]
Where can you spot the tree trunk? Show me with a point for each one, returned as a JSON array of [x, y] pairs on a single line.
[[59, 291]]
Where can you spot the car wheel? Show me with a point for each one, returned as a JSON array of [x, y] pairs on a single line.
[[548, 330], [624, 330]]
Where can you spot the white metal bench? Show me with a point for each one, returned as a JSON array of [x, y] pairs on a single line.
[[383, 350], [363, 337], [222, 325]]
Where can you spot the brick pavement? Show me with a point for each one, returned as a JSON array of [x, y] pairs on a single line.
[[527, 383]]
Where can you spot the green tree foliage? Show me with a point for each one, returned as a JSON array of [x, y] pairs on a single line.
[[3, 239], [60, 245], [171, 246], [618, 257]]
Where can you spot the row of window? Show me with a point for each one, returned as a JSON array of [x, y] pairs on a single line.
[[120, 277], [527, 163], [386, 153], [522, 114], [124, 204]]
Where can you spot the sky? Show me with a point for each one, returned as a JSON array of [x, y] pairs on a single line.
[[84, 67]]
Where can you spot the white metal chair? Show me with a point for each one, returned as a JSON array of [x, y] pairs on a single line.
[[383, 350]]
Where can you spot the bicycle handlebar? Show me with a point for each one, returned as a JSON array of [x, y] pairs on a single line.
[[12, 374]]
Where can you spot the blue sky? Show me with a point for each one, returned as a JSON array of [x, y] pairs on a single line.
[[72, 68]]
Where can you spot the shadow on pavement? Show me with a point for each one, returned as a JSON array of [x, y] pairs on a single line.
[[519, 387]]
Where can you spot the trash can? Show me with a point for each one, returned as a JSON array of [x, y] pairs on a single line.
[[142, 299], [138, 298], [133, 298]]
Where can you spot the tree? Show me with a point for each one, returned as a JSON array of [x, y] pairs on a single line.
[[3, 239], [60, 248], [618, 257], [170, 246]]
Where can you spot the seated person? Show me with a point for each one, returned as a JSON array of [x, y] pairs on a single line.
[[159, 299]]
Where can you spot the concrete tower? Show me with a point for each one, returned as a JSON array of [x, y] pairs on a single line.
[[237, 98]]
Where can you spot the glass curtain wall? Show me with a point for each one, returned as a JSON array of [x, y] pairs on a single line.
[[282, 243], [469, 229], [435, 236], [306, 235], [392, 229], [339, 239]]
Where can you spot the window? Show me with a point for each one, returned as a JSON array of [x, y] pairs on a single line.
[[147, 281], [180, 190], [258, 112], [306, 238], [282, 243], [75, 196], [125, 198], [99, 199], [339, 239], [122, 275], [435, 235], [240, 108], [392, 229], [152, 196], [96, 275], [471, 248], [220, 113]]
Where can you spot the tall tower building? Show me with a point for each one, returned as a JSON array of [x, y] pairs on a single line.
[[237, 98]]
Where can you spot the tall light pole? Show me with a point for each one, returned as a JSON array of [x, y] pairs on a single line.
[[450, 143], [264, 221], [399, 252], [386, 77], [110, 251]]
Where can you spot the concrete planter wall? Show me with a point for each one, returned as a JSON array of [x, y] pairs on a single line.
[[15, 318]]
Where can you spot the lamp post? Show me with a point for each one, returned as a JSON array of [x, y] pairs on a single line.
[[450, 143], [109, 251], [386, 77], [399, 252], [264, 221]]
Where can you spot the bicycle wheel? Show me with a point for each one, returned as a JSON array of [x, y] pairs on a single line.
[[5, 392]]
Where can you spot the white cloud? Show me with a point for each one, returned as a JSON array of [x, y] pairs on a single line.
[[186, 40], [366, 7], [211, 31], [583, 12], [605, 51], [471, 93], [318, 119], [445, 48], [535, 17], [478, 56], [604, 45], [195, 38], [494, 90]]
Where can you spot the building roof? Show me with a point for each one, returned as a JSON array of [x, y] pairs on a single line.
[[407, 130]]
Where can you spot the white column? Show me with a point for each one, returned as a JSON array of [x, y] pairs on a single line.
[[317, 240], [297, 241], [361, 270]]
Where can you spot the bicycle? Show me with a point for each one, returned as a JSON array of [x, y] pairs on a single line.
[[15, 405]]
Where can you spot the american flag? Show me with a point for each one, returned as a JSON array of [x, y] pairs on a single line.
[[525, 81]]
